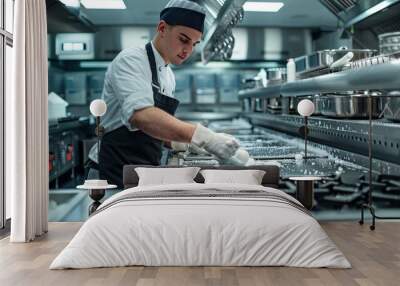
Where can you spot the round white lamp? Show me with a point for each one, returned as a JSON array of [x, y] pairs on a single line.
[[98, 107], [305, 108]]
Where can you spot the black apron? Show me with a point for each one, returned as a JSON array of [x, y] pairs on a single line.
[[123, 147]]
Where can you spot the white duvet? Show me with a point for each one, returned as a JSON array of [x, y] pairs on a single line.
[[183, 231]]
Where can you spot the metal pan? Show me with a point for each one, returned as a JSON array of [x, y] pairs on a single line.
[[349, 106]]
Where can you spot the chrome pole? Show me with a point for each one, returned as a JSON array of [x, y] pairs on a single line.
[[305, 136]]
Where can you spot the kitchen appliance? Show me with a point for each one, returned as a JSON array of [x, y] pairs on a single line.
[[389, 42], [75, 46], [350, 105]]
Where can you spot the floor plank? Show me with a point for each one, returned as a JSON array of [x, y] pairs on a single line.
[[374, 255]]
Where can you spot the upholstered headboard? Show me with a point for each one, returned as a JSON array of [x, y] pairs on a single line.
[[270, 179]]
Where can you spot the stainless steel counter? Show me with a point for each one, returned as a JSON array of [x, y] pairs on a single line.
[[350, 135]]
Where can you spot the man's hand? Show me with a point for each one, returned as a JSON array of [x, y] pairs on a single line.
[[218, 144], [183, 147]]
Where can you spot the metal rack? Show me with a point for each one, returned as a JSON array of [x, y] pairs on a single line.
[[375, 77], [226, 17], [264, 92], [350, 135], [380, 76]]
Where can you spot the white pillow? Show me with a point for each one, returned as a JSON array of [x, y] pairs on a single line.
[[166, 176], [248, 177]]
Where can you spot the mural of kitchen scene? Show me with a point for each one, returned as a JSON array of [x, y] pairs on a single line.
[[247, 79]]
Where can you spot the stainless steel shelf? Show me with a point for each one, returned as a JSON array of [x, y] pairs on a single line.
[[375, 77], [265, 92], [350, 135]]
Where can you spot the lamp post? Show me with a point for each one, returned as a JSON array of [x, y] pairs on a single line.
[[97, 187], [98, 108], [305, 108], [369, 204]]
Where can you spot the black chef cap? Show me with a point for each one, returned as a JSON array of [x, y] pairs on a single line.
[[184, 13]]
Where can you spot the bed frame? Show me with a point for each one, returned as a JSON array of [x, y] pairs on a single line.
[[270, 179]]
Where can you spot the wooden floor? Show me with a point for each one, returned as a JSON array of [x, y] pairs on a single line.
[[375, 257]]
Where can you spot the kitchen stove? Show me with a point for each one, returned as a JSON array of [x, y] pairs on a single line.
[[343, 187]]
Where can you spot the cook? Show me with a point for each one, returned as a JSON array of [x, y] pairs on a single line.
[[138, 90]]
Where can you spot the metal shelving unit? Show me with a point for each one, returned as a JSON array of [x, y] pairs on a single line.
[[265, 92], [375, 77], [351, 135], [376, 139], [383, 76]]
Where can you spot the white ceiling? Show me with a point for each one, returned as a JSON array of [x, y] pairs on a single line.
[[295, 13]]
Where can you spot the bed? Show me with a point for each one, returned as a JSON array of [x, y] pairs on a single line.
[[199, 224]]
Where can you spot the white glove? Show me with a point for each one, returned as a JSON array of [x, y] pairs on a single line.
[[193, 149], [183, 147], [218, 144], [179, 146], [240, 158]]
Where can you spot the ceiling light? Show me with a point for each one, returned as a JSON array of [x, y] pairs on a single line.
[[70, 3], [262, 6], [103, 4]]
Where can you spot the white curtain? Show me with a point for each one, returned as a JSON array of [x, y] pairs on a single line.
[[26, 123]]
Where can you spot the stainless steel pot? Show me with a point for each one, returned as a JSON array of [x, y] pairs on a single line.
[[250, 83], [276, 76], [274, 103], [392, 106], [349, 106], [288, 105]]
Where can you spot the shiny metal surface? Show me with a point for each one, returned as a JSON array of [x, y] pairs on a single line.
[[366, 74], [349, 106], [351, 12], [392, 108], [346, 134], [323, 59], [274, 103], [338, 6], [389, 43], [365, 9], [218, 39], [276, 76], [274, 152], [376, 77]]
